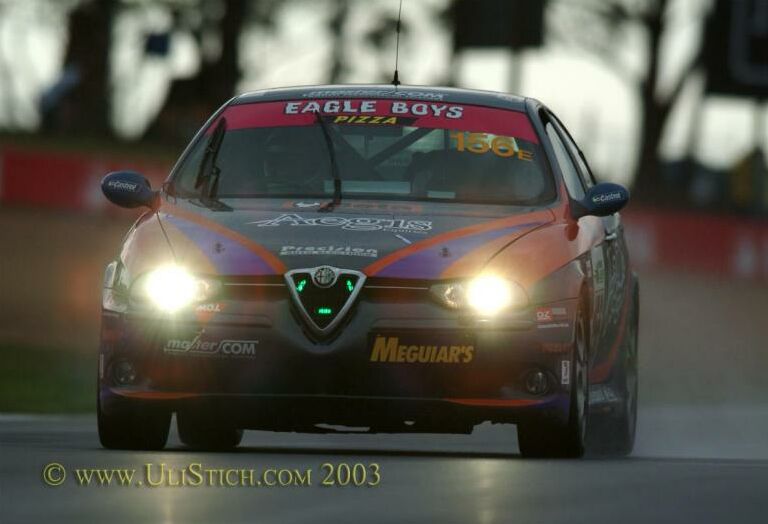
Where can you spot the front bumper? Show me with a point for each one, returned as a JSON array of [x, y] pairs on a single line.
[[251, 360]]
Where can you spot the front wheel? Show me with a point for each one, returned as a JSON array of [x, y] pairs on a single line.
[[133, 426], [616, 430], [542, 439]]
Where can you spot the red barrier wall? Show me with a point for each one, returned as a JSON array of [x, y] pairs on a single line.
[[676, 240], [733, 247], [67, 181]]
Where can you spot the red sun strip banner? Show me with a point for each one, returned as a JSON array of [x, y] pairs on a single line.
[[436, 115]]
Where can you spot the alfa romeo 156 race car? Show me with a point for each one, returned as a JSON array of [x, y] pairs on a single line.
[[372, 258]]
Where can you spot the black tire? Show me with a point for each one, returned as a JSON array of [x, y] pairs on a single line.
[[206, 431], [547, 440], [133, 426], [616, 430]]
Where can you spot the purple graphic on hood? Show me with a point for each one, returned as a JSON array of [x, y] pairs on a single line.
[[430, 262], [228, 256]]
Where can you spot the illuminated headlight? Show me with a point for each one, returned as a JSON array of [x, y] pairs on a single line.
[[484, 294], [171, 288]]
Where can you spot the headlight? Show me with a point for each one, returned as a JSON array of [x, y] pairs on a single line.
[[170, 288], [485, 294]]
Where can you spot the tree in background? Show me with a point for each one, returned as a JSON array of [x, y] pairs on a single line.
[[337, 29], [601, 27], [80, 101], [191, 100]]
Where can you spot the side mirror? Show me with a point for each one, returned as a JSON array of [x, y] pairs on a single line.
[[128, 189], [602, 200]]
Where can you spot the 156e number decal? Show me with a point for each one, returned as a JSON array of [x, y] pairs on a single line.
[[351, 474], [480, 143]]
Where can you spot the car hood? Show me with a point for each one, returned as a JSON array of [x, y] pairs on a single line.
[[257, 237]]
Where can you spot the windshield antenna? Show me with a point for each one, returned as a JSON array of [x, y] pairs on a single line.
[[396, 78]]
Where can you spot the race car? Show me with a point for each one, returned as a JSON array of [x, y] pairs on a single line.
[[372, 258]]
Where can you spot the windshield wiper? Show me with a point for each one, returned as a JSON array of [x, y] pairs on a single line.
[[329, 206], [208, 176]]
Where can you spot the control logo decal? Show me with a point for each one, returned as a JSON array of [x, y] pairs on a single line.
[[120, 184]]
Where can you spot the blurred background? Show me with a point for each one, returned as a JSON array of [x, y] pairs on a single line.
[[669, 97]]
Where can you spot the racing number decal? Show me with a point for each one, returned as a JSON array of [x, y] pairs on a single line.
[[480, 143]]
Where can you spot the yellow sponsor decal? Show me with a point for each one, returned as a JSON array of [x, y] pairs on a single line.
[[481, 143], [389, 349], [365, 119]]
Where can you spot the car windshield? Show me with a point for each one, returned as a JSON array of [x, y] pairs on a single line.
[[387, 149]]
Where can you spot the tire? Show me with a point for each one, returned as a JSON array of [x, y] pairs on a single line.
[[206, 432], [133, 426], [616, 430], [548, 440]]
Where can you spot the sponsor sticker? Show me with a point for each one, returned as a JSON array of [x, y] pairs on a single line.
[[551, 314], [198, 346], [348, 224], [481, 143], [555, 347], [356, 93], [204, 312], [555, 325], [209, 308], [367, 119], [424, 349], [347, 251], [126, 186], [598, 271], [606, 197], [383, 110]]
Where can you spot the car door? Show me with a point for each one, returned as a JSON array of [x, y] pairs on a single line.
[[614, 256]]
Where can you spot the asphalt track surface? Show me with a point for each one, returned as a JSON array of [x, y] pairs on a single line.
[[701, 454]]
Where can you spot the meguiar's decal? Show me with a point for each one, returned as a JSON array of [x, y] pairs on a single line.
[[421, 350]]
